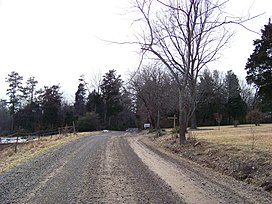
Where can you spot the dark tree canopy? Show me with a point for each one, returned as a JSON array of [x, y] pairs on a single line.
[[15, 86], [95, 103], [111, 92], [80, 100], [211, 96], [50, 101], [259, 64], [235, 106]]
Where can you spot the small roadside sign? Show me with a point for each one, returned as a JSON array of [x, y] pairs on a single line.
[[146, 125]]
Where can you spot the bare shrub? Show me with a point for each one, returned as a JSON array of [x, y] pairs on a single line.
[[236, 123], [255, 117], [218, 117]]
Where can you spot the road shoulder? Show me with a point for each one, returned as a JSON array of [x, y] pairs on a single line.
[[193, 182]]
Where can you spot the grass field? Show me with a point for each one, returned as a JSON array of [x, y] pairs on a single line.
[[9, 159], [246, 137]]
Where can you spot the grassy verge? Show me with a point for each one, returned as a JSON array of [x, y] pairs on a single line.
[[244, 152], [10, 159]]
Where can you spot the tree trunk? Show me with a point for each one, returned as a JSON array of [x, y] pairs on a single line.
[[193, 120], [182, 128], [105, 113], [158, 120], [182, 118], [193, 103]]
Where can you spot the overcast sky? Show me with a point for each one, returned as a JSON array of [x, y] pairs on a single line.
[[58, 40]]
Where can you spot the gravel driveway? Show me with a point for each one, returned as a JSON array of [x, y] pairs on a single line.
[[117, 168], [95, 169]]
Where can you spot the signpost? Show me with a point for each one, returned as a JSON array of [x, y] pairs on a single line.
[[174, 119]]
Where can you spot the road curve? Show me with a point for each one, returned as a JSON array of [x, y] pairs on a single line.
[[91, 169]]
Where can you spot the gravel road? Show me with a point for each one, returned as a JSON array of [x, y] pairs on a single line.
[[118, 168]]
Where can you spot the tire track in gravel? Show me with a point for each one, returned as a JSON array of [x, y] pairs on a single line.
[[193, 182], [115, 185], [123, 178]]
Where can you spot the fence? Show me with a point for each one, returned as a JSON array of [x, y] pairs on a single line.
[[17, 138]]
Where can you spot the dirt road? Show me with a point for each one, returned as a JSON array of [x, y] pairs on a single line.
[[119, 168]]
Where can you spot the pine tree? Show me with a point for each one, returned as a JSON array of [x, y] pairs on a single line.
[[259, 64], [50, 100], [15, 86], [80, 100], [235, 106], [110, 88]]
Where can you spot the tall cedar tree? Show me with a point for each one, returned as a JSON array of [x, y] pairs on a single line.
[[259, 64], [235, 106], [110, 88], [80, 100], [15, 86]]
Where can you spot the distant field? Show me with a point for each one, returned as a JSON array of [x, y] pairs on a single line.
[[243, 136]]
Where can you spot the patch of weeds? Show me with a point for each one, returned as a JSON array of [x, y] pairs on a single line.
[[175, 132], [191, 137], [158, 132], [243, 170]]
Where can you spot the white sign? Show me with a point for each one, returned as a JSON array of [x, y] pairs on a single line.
[[147, 125]]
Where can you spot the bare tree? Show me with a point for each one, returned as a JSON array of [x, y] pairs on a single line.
[[186, 35], [154, 92], [96, 80]]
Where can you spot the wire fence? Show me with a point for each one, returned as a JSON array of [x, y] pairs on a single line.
[[18, 138]]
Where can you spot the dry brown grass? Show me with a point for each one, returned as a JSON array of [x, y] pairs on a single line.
[[9, 159], [243, 136]]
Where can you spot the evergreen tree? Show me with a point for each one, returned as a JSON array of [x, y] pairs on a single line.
[[205, 98], [4, 117], [259, 64], [211, 97], [125, 118], [15, 86], [30, 89], [95, 104], [88, 122], [50, 100], [235, 106], [80, 100], [29, 114], [110, 88]]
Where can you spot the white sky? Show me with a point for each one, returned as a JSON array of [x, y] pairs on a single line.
[[58, 40]]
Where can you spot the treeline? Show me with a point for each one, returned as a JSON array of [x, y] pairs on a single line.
[[30, 110], [150, 96], [217, 95]]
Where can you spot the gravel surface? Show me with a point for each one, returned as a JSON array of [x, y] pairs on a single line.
[[95, 169], [118, 167]]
